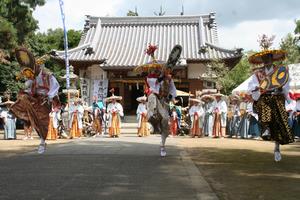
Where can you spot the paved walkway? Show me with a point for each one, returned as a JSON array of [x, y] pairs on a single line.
[[104, 168]]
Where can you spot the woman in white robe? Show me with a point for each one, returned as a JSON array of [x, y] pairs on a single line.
[[196, 113], [141, 113], [115, 112], [75, 125]]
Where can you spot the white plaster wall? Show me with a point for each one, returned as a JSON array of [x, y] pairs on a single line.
[[195, 70]]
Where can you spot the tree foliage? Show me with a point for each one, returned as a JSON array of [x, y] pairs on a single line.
[[236, 76], [132, 13]]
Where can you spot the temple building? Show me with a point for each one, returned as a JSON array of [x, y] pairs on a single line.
[[111, 47]]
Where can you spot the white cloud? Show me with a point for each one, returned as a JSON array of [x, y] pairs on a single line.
[[75, 11], [245, 34]]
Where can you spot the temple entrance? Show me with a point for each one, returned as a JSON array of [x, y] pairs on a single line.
[[131, 92], [136, 91]]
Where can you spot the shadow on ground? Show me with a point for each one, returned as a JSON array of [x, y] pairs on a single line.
[[249, 174], [96, 170]]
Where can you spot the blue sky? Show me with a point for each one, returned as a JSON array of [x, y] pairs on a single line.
[[239, 21]]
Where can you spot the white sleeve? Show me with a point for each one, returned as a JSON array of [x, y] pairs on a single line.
[[191, 111], [223, 107], [253, 83], [172, 89], [120, 108], [286, 90], [54, 87]]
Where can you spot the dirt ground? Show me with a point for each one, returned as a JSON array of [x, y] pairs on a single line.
[[245, 169]]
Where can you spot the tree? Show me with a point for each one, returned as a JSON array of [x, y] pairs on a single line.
[[132, 13], [19, 14], [42, 43], [236, 76], [289, 44], [16, 24]]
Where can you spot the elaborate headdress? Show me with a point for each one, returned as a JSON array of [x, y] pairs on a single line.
[[265, 43]]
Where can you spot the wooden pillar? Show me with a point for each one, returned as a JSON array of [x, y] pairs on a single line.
[[122, 92]]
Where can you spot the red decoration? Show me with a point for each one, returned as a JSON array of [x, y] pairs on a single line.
[[151, 49]]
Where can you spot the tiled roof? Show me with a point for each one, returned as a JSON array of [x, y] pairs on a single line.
[[123, 40]]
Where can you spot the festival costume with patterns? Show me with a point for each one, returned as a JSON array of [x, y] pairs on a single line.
[[160, 89], [269, 88], [34, 107]]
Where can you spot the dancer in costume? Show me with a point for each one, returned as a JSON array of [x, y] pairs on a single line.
[[36, 105], [269, 88], [115, 112], [141, 113], [196, 113], [160, 91]]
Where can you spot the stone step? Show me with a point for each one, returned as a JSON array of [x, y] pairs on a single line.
[[129, 125]]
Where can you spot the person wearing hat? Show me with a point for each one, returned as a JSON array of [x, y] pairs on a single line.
[[243, 130], [208, 122], [8, 118], [296, 115], [233, 116], [76, 110], [54, 117], [115, 112], [160, 90], [98, 113], [173, 121], [35, 106], [269, 88], [220, 116], [196, 113], [141, 113]]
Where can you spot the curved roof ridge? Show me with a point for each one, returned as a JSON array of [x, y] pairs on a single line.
[[221, 48]]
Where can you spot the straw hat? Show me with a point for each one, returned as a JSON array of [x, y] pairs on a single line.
[[142, 98], [207, 96], [113, 97], [195, 100], [265, 43], [234, 98], [218, 95]]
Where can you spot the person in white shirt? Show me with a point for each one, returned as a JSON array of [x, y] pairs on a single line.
[[141, 113], [76, 119], [196, 114], [208, 114], [220, 116], [115, 112]]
